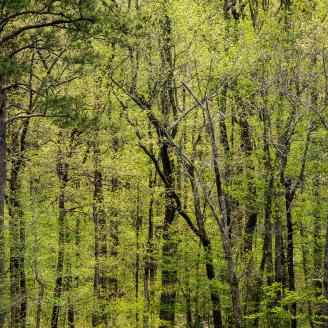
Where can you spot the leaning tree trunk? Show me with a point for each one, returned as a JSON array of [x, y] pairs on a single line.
[[223, 225], [206, 243]]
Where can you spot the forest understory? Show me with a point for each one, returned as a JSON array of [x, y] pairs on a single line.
[[163, 163]]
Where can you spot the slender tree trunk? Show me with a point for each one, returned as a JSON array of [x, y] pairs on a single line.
[[41, 290], [223, 226], [18, 292], [210, 273], [225, 143], [169, 250], [306, 272], [187, 297], [15, 297], [101, 279], [137, 261], [3, 153], [69, 282], [266, 265], [62, 174], [246, 145], [290, 252], [267, 262], [206, 243], [317, 245], [149, 264], [69, 287], [325, 277], [39, 304], [278, 248]]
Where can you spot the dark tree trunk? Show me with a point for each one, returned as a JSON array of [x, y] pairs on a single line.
[[290, 251], [149, 262], [18, 292], [62, 173], [188, 307], [39, 304], [63, 177], [306, 272], [267, 262], [247, 147], [138, 225], [251, 293], [169, 248], [325, 276], [69, 287], [278, 248], [223, 225], [225, 143], [266, 265], [317, 247], [101, 279], [3, 152], [210, 273]]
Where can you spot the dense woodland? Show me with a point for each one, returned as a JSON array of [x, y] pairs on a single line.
[[163, 163]]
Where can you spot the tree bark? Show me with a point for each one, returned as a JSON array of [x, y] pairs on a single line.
[[223, 225], [138, 226], [3, 152], [149, 261], [169, 249], [206, 243], [325, 276], [63, 177], [18, 292], [100, 280]]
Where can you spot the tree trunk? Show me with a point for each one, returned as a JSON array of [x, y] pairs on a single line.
[[101, 279], [63, 179], [69, 287], [206, 243], [149, 264], [290, 252], [138, 225], [169, 248], [306, 273], [267, 262], [225, 143], [62, 174], [18, 292], [3, 152], [223, 226], [325, 277]]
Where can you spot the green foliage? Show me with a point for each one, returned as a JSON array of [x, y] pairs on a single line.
[[100, 97]]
